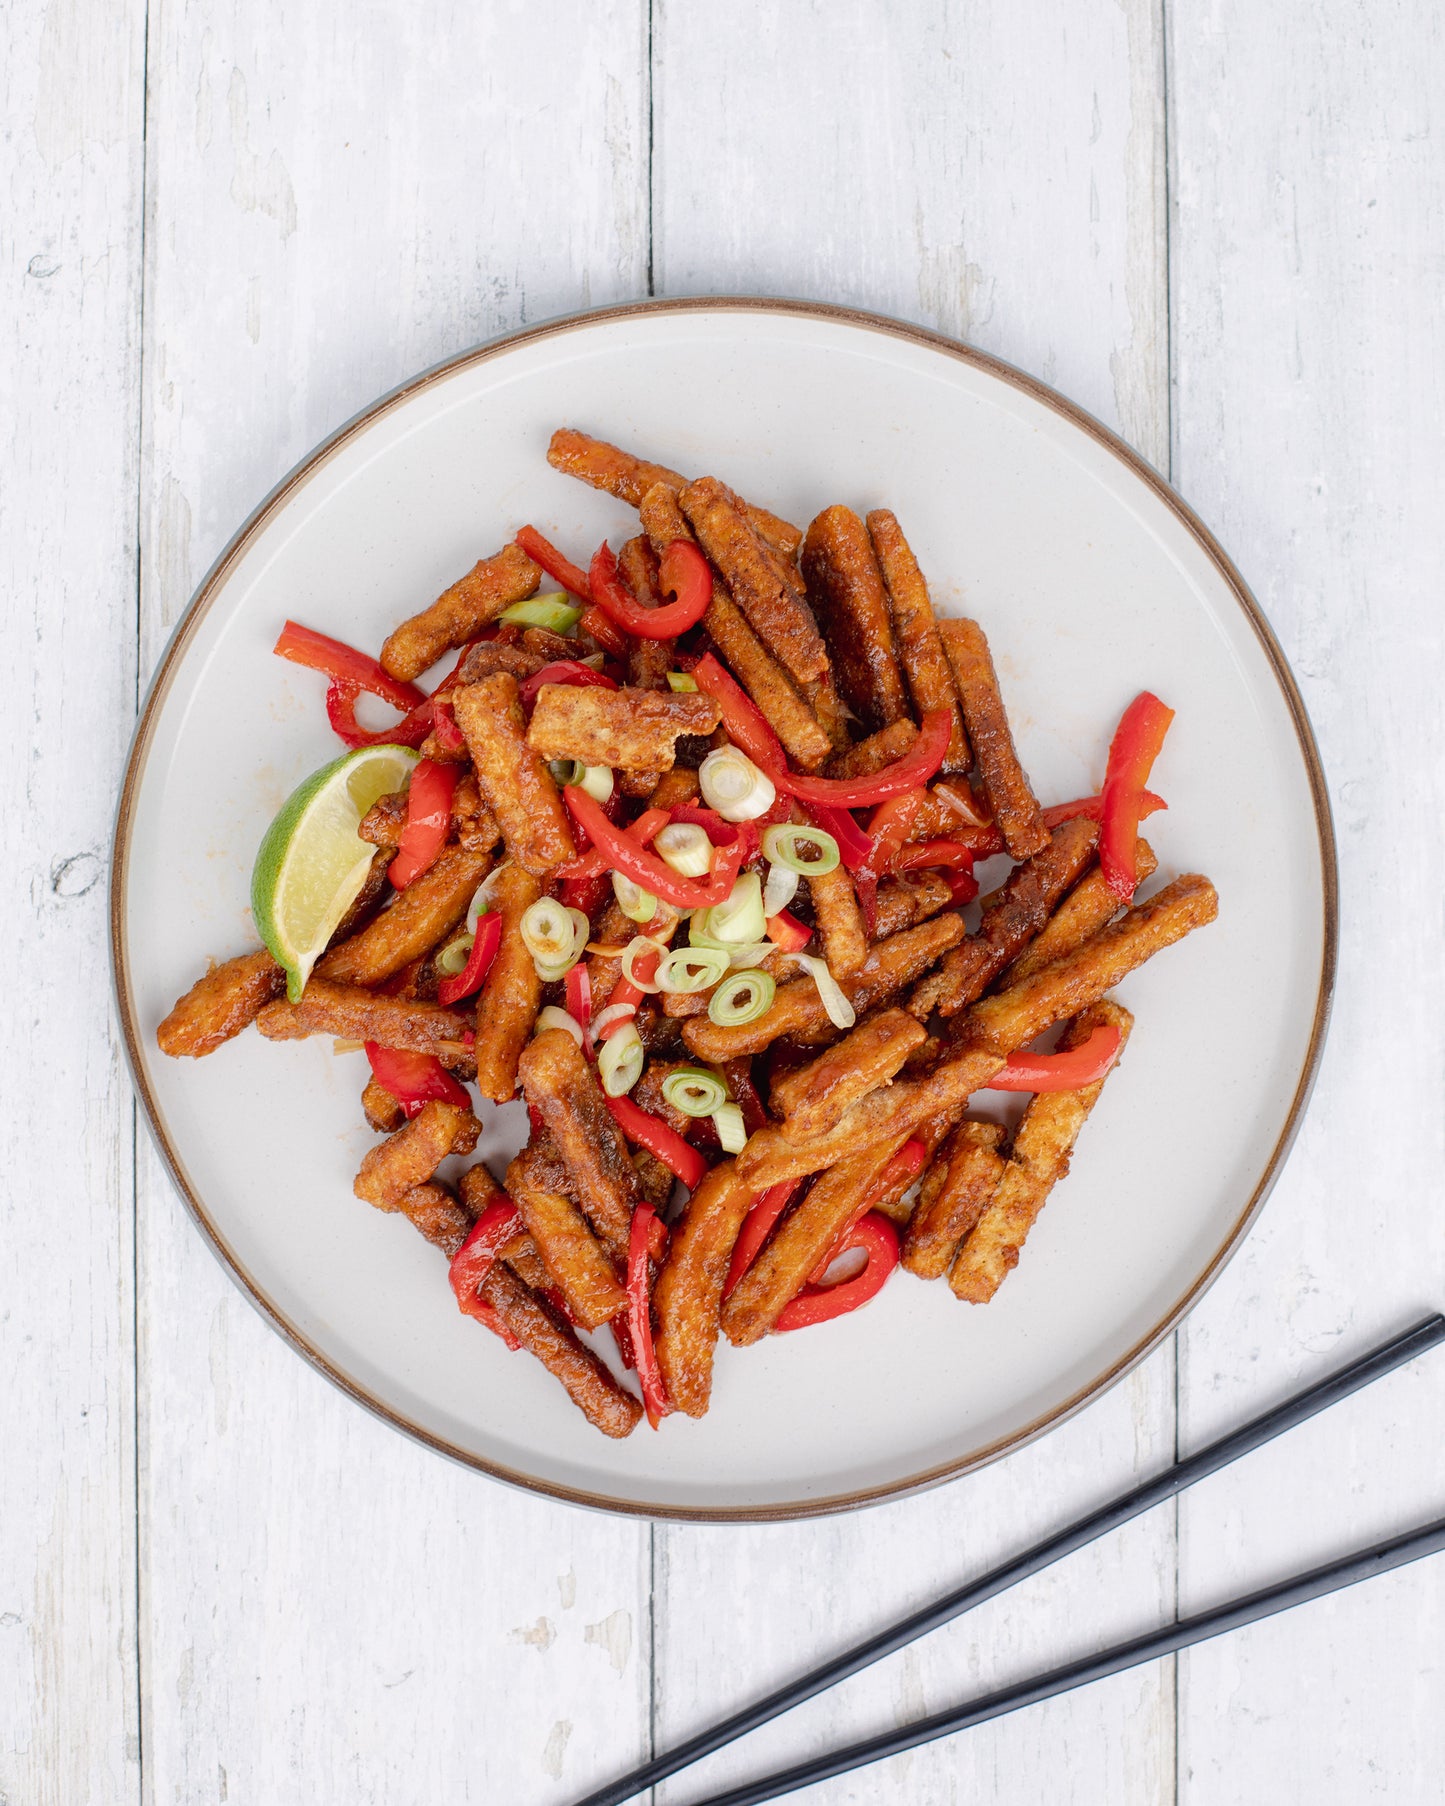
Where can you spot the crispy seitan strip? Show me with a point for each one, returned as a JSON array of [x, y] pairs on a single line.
[[952, 1197], [353, 1013], [576, 1259], [419, 919], [433, 1211], [514, 780], [636, 729], [367, 900], [840, 922], [1042, 1147], [648, 661], [880, 749], [770, 601], [492, 656], [559, 1085], [460, 613], [218, 1006], [1089, 906], [607, 467], [811, 1098], [823, 699], [898, 1200], [381, 1110], [409, 1157], [1011, 802], [797, 1010], [675, 788], [510, 995], [846, 590], [472, 823], [905, 902], [801, 1240], [991, 1030], [478, 1190], [688, 1293], [531, 1319], [915, 632], [1012, 916], [804, 738]]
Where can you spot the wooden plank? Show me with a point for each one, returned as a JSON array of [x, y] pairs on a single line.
[[70, 169], [998, 174], [333, 209], [1310, 371]]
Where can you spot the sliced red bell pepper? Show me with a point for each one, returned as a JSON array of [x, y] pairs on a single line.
[[745, 722], [428, 821], [817, 1304], [559, 569], [444, 725], [564, 671], [757, 1227], [787, 932], [607, 634], [625, 992], [988, 841], [624, 854], [854, 845], [411, 730], [414, 1079], [954, 854], [1132, 752], [1081, 1065], [652, 1133], [319, 652], [685, 575], [487, 940], [472, 1262], [894, 1180], [640, 1245], [586, 894], [916, 767], [887, 830], [962, 888], [577, 988]]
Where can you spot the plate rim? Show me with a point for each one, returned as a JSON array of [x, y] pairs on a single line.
[[198, 607]]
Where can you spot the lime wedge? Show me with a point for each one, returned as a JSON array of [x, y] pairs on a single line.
[[312, 863]]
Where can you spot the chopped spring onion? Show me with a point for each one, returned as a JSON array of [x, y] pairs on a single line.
[[694, 1091], [780, 889], [686, 848], [596, 780], [552, 1017], [554, 937], [615, 1012], [801, 849], [840, 1012], [738, 918], [620, 1062], [451, 962], [637, 904], [635, 948], [741, 998], [683, 681], [731, 1130], [554, 611], [481, 902], [734, 786], [688, 969]]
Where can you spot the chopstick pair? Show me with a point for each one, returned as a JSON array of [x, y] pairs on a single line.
[[1429, 1539]]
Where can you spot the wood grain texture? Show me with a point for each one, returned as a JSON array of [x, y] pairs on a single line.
[[70, 249], [989, 173], [1310, 369], [327, 1611]]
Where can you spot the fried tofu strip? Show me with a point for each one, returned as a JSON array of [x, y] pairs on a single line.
[[1089, 906], [991, 1030], [436, 1215], [560, 1086], [421, 916], [364, 903], [955, 1191], [409, 1157], [688, 1293], [915, 632], [353, 1013], [460, 613], [802, 1239], [1011, 802], [811, 1098], [878, 750], [905, 902], [797, 1010], [587, 1382], [381, 1110], [648, 661], [823, 699], [218, 1006], [1012, 916], [510, 995], [636, 729], [607, 467], [846, 590], [767, 597], [1042, 1148], [840, 922], [514, 780], [575, 1258]]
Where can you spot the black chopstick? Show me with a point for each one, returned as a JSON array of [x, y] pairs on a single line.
[[1424, 1336], [1429, 1539]]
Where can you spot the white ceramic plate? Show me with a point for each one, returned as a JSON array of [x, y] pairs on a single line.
[[1093, 582]]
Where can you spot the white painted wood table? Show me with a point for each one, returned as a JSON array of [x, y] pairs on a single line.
[[226, 227]]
